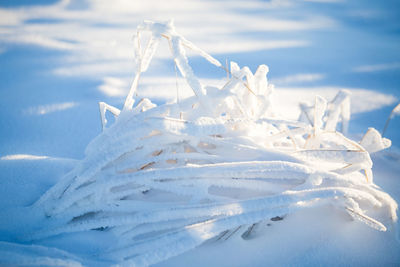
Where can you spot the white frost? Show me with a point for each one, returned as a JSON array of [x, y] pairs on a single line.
[[166, 178]]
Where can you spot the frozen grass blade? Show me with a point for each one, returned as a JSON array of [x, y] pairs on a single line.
[[164, 179], [395, 111]]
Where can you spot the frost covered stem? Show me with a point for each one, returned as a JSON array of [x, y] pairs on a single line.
[[395, 111], [186, 71], [129, 101]]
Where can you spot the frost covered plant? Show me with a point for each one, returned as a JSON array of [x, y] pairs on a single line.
[[166, 178]]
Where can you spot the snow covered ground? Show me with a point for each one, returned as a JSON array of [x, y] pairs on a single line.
[[59, 59]]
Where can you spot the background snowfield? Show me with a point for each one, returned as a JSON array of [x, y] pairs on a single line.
[[60, 58]]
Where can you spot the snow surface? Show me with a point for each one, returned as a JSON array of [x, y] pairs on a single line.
[[311, 49]]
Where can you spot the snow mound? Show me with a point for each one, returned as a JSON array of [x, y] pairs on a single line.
[[166, 178]]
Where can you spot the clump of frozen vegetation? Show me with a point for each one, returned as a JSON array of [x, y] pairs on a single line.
[[166, 178]]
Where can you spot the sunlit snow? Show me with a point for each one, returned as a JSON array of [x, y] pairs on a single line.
[[227, 133]]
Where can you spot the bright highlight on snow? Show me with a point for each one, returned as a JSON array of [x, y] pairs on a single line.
[[165, 179]]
